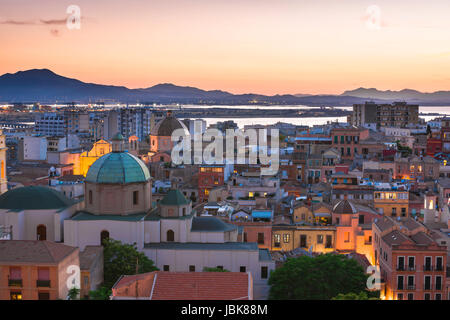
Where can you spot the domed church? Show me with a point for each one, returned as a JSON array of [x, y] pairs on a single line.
[[118, 206], [160, 137]]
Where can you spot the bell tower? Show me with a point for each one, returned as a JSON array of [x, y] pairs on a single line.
[[3, 178]]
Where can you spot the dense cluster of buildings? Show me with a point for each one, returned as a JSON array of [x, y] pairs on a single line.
[[376, 188]]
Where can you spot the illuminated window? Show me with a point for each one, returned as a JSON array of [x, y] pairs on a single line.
[[250, 194], [286, 237], [16, 295], [206, 192]]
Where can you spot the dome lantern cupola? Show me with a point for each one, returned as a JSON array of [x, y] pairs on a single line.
[[117, 143]]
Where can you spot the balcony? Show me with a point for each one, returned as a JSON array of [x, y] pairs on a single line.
[[427, 268], [439, 268], [401, 268], [15, 282], [43, 283], [411, 268], [411, 287]]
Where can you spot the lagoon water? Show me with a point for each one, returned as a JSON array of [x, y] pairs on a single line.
[[241, 122]]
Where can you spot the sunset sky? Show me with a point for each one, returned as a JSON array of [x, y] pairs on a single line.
[[240, 46]]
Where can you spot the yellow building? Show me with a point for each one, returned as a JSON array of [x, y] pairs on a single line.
[[86, 159], [319, 213], [318, 239], [392, 203]]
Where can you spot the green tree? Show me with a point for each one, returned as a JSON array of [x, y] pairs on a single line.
[[73, 293], [355, 296], [120, 259], [206, 269], [102, 293], [316, 278]]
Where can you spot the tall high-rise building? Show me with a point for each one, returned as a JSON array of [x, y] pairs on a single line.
[[372, 115]]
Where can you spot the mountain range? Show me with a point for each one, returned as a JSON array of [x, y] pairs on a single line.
[[45, 86]]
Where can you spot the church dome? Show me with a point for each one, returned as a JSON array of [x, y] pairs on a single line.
[[118, 167], [34, 198], [344, 207], [167, 125]]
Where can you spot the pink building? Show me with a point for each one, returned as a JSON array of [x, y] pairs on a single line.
[[412, 264]]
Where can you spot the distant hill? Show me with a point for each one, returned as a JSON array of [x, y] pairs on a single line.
[[45, 86], [413, 96]]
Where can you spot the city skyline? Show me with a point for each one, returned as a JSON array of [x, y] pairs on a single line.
[[293, 47]]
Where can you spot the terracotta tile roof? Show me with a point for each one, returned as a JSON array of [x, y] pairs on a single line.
[[201, 286], [33, 251], [161, 285], [395, 238]]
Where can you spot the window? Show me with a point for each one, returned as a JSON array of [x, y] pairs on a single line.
[[277, 240], [411, 285], [191, 268], [438, 283], [135, 197], [90, 196], [170, 236], [399, 282], [329, 242], [220, 267], [166, 268], [260, 238], [242, 269], [439, 264], [400, 296], [361, 219], [303, 241], [427, 266], [427, 296], [347, 237], [403, 212], [286, 237], [264, 272], [427, 283], [103, 236], [411, 263], [401, 263], [41, 232], [319, 239], [16, 295], [438, 296], [245, 237], [43, 296], [410, 296]]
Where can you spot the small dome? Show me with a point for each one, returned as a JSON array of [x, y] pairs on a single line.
[[174, 198], [118, 167], [166, 126], [34, 198], [344, 207], [117, 137]]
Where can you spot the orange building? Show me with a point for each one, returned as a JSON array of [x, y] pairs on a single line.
[[35, 270], [393, 203], [353, 224]]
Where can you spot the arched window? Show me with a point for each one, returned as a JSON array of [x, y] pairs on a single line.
[[170, 236], [103, 236], [41, 232]]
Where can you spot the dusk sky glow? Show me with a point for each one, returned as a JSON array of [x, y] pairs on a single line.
[[259, 46]]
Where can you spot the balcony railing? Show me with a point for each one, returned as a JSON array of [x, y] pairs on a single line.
[[401, 268], [411, 287], [43, 283], [15, 282], [411, 268], [439, 268], [427, 268]]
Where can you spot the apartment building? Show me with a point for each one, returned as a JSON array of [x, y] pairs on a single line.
[[398, 114], [36, 270], [412, 263]]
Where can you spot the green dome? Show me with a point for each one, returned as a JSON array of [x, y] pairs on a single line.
[[118, 167], [34, 198]]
